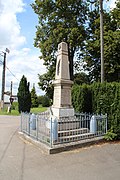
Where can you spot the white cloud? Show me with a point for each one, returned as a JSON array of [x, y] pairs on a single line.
[[24, 63], [9, 26], [21, 63], [12, 6], [21, 59]]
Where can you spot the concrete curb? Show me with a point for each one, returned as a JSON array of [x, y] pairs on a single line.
[[42, 146], [62, 147]]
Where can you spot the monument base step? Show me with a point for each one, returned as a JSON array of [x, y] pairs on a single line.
[[73, 132], [71, 125], [75, 137]]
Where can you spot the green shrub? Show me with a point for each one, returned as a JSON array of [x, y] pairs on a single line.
[[14, 106], [99, 98], [45, 101], [40, 99], [82, 98], [110, 135]]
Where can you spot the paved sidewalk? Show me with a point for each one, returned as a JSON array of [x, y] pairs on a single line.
[[21, 160]]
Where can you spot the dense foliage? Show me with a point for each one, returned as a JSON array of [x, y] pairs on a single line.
[[59, 21], [80, 78], [91, 52], [24, 96], [44, 101], [82, 98], [99, 98], [78, 24], [34, 98], [45, 83]]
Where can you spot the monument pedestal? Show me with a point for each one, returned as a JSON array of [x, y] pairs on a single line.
[[62, 112]]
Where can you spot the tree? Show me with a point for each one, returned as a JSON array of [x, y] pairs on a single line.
[[40, 98], [45, 83], [59, 21], [45, 101], [112, 46], [80, 78], [34, 98], [91, 53], [24, 96]]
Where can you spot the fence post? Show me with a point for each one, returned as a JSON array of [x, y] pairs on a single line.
[[93, 124], [106, 123], [51, 132], [37, 127], [21, 122], [29, 124]]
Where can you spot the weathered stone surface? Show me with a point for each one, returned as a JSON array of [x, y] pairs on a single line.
[[63, 112], [62, 105]]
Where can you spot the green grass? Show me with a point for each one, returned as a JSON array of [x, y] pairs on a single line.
[[38, 110], [13, 112], [16, 113]]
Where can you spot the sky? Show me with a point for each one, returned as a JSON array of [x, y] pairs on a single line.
[[17, 33]]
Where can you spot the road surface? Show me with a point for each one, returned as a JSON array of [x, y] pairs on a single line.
[[21, 160]]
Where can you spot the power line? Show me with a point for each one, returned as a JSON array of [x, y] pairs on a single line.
[[3, 81], [12, 73], [1, 62]]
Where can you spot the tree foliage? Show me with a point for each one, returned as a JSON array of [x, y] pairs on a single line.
[[34, 98], [80, 78], [59, 21], [77, 22], [91, 53], [45, 101], [24, 96], [45, 83]]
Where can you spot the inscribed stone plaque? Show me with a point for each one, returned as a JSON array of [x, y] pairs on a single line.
[[65, 97]]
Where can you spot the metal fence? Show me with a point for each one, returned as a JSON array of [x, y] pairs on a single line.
[[53, 131], [36, 126]]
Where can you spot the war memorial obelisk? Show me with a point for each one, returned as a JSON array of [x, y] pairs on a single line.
[[62, 106]]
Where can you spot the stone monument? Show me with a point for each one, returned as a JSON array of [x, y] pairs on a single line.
[[62, 106]]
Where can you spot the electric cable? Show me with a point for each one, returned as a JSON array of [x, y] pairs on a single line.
[[12, 73]]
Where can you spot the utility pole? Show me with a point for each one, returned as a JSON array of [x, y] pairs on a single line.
[[11, 89], [3, 81], [101, 40], [11, 99], [3, 77]]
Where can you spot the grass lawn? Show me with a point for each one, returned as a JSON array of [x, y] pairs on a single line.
[[16, 113], [38, 110], [13, 112]]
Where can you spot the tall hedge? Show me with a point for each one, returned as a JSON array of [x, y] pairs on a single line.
[[99, 98], [82, 98]]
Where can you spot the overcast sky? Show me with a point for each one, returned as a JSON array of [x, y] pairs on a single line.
[[17, 32]]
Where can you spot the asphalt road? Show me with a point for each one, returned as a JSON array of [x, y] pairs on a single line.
[[21, 160]]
